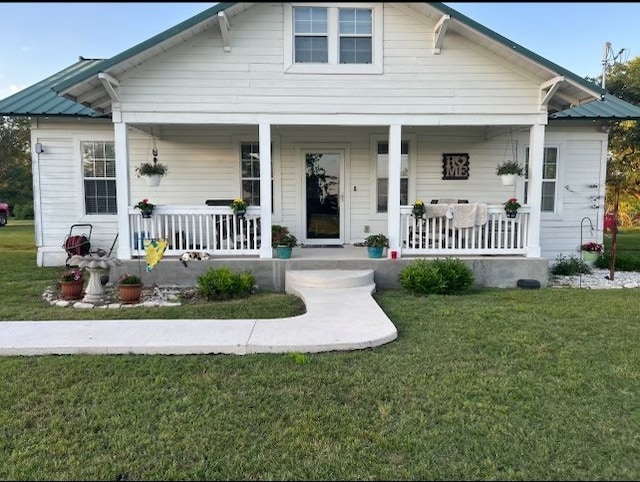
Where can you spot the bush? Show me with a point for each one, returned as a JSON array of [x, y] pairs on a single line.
[[23, 211], [569, 266], [441, 276], [222, 284], [624, 261], [457, 276]]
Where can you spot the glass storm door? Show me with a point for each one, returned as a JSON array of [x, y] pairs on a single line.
[[323, 215]]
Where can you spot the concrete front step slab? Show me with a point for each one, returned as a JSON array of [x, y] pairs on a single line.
[[328, 278]]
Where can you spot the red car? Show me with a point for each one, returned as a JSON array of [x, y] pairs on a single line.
[[4, 213]]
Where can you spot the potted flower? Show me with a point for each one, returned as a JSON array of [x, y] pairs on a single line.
[[591, 251], [239, 207], [508, 172], [130, 288], [511, 207], [152, 171], [283, 241], [418, 209], [375, 244], [71, 284], [145, 207]]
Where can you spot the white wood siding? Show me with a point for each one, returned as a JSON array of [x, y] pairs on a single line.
[[62, 189], [199, 77]]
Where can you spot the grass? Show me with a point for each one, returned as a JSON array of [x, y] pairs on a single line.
[[23, 284], [494, 385]]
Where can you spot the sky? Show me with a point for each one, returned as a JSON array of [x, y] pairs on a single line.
[[40, 39]]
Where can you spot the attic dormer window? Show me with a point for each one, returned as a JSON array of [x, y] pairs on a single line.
[[311, 35], [355, 36], [333, 39]]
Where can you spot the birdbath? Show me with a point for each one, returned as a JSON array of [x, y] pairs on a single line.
[[96, 267]]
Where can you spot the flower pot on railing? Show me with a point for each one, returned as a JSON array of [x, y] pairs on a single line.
[[511, 214]]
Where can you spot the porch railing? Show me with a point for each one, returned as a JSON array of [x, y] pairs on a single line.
[[434, 236], [214, 230]]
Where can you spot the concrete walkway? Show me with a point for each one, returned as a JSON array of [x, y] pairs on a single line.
[[341, 315]]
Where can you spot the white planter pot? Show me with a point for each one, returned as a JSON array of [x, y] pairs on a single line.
[[153, 180], [508, 179]]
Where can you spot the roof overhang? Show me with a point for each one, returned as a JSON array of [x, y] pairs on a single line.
[[560, 89], [89, 89]]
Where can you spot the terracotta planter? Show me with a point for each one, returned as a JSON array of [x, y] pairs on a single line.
[[71, 290], [130, 293]]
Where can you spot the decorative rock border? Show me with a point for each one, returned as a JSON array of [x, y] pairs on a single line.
[[597, 280], [152, 297]]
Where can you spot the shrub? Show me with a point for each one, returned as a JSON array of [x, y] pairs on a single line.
[[624, 261], [441, 276], [569, 266], [421, 278], [457, 276], [23, 211], [222, 284]]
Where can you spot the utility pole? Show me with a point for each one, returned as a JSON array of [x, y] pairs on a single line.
[[607, 56]]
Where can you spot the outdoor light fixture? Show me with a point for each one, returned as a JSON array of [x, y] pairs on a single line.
[[39, 148]]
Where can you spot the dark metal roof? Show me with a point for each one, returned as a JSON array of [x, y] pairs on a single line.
[[610, 107], [40, 99]]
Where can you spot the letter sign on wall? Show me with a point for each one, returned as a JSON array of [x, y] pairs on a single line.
[[455, 166]]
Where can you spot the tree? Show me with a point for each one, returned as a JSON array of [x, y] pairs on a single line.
[[623, 81], [16, 187]]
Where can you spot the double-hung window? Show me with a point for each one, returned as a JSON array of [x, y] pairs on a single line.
[[549, 179], [355, 35], [99, 170], [383, 176], [250, 173], [333, 39], [311, 35]]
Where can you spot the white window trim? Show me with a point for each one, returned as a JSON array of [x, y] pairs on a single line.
[[333, 67], [412, 139], [557, 212], [238, 140], [83, 215]]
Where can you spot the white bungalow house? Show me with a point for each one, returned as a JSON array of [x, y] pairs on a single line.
[[331, 119]]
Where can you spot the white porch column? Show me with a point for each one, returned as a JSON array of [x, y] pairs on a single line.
[[393, 204], [266, 250], [121, 137], [536, 156]]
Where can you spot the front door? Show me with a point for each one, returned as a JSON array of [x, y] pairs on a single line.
[[324, 197]]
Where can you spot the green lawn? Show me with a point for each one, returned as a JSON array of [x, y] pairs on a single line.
[[494, 385]]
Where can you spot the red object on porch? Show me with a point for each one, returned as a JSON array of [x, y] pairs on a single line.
[[609, 223]]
